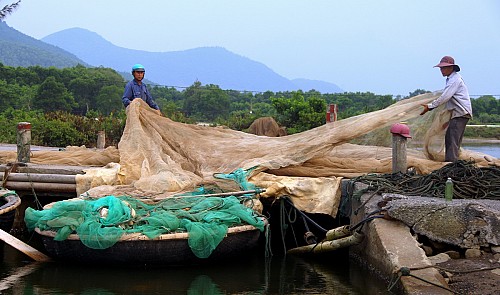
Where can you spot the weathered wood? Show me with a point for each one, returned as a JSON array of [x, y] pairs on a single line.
[[101, 139], [399, 161], [23, 142], [23, 247], [31, 177], [41, 186]]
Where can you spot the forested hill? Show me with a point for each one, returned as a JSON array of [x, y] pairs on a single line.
[[209, 65], [18, 49]]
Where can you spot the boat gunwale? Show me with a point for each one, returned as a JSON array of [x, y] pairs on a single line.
[[142, 237], [13, 201]]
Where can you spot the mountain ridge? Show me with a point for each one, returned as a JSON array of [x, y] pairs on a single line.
[[208, 65], [18, 49]]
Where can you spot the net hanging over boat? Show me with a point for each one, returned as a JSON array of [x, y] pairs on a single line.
[[100, 223]]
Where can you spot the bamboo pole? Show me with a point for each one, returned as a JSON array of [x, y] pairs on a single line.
[[35, 177], [45, 169], [328, 246], [337, 233], [238, 193], [23, 247], [42, 186]]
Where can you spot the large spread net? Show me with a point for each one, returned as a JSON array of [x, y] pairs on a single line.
[[158, 158], [155, 182]]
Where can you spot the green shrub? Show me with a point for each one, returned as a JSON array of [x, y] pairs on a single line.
[[61, 129], [55, 133], [482, 132]]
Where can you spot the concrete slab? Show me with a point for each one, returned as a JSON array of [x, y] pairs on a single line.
[[389, 247]]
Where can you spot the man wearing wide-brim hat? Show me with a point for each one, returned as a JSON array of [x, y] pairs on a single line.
[[457, 99]]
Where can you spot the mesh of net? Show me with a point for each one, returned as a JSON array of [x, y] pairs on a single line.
[[157, 157], [100, 223]]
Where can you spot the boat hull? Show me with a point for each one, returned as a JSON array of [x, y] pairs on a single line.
[[8, 207], [170, 249]]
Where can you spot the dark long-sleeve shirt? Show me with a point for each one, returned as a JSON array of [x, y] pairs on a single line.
[[134, 90]]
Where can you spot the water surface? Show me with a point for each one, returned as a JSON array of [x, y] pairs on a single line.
[[331, 274]]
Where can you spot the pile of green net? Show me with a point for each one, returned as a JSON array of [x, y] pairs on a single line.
[[100, 223]]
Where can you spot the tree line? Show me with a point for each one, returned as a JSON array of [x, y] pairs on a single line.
[[80, 100]]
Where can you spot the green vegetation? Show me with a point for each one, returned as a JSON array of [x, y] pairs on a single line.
[[68, 106], [61, 129]]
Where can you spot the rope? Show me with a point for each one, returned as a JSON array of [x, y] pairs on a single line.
[[13, 169], [305, 216], [470, 182], [405, 271], [268, 248], [290, 217], [8, 171], [366, 201], [368, 218], [466, 271], [283, 225], [37, 202]]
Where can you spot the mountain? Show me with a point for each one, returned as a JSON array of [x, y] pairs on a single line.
[[18, 49], [321, 86], [209, 65]]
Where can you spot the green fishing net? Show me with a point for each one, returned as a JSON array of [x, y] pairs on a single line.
[[100, 223]]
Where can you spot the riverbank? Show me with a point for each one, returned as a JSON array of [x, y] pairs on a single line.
[[480, 140]]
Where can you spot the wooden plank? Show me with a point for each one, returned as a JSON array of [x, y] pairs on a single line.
[[23, 247]]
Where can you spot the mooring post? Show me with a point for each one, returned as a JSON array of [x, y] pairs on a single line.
[[331, 113], [101, 139], [400, 134], [23, 142]]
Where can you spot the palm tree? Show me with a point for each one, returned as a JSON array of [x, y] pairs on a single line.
[[8, 9]]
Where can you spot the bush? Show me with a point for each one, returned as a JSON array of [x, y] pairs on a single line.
[[61, 129], [482, 132], [55, 133]]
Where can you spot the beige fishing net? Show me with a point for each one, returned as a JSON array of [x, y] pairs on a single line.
[[157, 157]]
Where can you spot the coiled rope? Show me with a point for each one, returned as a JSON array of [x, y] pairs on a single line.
[[470, 182]]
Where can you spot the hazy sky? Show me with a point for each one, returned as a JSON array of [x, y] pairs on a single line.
[[383, 46]]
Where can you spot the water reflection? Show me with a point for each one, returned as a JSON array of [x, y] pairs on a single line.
[[251, 275]]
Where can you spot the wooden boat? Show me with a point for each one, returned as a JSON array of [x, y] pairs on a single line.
[[9, 201], [137, 249], [124, 230]]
